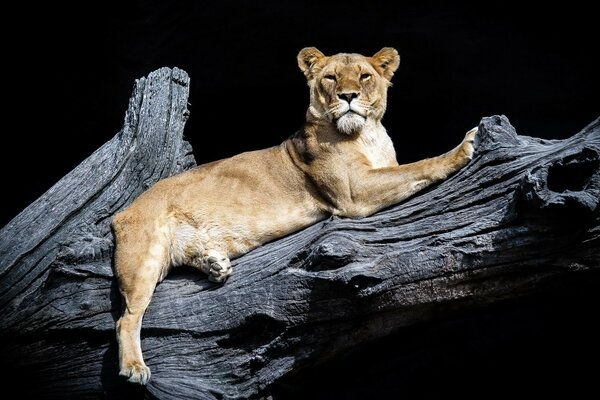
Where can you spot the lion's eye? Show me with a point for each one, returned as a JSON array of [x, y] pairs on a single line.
[[330, 78], [365, 77]]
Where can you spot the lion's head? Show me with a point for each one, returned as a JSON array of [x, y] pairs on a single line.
[[348, 90]]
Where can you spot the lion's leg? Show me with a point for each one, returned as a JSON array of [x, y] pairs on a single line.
[[137, 287], [379, 188], [215, 264], [140, 263]]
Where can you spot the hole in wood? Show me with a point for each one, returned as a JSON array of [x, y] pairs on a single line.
[[361, 282], [573, 173], [257, 330]]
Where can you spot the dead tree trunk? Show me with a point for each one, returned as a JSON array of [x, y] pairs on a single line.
[[522, 214]]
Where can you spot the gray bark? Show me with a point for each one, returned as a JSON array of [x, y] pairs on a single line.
[[523, 214]]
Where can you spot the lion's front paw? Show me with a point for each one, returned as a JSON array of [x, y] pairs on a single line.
[[136, 372], [463, 153], [219, 268], [467, 146]]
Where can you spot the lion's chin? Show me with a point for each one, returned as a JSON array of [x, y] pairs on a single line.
[[350, 123]]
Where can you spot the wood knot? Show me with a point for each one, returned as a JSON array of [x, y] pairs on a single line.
[[332, 252]]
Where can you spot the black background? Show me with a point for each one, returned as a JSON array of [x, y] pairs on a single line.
[[70, 72]]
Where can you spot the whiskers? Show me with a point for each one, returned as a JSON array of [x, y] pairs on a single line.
[[336, 111], [361, 108], [366, 109]]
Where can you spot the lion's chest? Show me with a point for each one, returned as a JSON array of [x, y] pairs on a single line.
[[377, 146]]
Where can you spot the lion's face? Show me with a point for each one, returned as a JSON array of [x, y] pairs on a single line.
[[348, 90]]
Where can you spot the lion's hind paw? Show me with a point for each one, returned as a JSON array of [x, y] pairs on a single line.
[[136, 372]]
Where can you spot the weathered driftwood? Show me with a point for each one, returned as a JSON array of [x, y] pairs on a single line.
[[524, 213]]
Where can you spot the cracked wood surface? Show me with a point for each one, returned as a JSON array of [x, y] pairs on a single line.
[[521, 215]]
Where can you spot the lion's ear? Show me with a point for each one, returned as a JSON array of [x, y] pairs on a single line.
[[386, 62], [307, 58]]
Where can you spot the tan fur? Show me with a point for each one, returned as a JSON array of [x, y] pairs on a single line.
[[342, 162]]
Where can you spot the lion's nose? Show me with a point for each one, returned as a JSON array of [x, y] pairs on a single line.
[[348, 96]]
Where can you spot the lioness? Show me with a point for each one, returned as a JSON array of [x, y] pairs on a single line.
[[341, 162]]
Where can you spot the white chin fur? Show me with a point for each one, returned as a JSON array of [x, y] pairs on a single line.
[[350, 123]]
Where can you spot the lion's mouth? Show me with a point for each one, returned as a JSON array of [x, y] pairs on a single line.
[[349, 114], [352, 113], [350, 122]]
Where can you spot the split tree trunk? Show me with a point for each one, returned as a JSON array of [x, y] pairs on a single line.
[[522, 214]]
